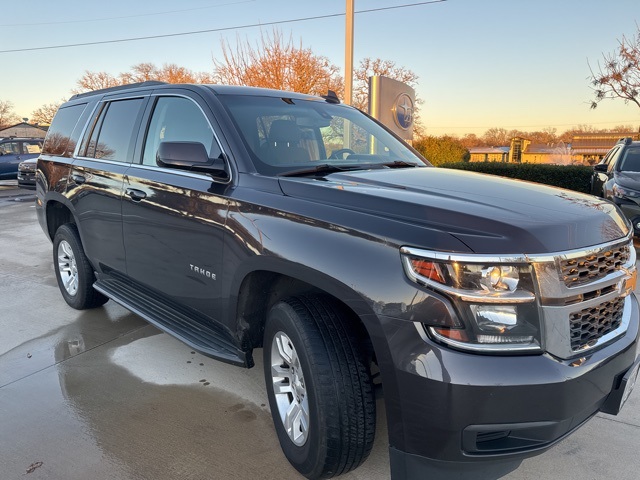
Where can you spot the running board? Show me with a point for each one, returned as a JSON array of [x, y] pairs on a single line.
[[204, 336]]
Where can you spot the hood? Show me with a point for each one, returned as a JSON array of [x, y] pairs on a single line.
[[490, 214], [630, 180]]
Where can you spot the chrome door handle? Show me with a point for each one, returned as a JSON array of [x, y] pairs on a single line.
[[79, 179], [135, 194]]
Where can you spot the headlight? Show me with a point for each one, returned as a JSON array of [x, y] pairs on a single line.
[[493, 297], [624, 192]]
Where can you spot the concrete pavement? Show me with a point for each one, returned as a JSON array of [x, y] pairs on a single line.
[[101, 394]]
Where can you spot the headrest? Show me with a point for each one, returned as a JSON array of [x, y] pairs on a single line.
[[284, 131]]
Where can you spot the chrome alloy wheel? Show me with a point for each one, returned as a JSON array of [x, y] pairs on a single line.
[[67, 267], [289, 388]]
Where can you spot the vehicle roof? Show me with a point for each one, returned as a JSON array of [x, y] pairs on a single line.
[[257, 91], [628, 141], [216, 89]]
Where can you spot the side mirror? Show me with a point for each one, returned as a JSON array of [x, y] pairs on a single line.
[[600, 167], [191, 156]]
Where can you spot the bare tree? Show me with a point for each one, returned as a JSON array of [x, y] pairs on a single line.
[[277, 63], [619, 74], [141, 72], [7, 115], [96, 81], [497, 137], [44, 115], [370, 67]]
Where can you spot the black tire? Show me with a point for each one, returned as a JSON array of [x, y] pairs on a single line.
[[337, 383], [82, 296]]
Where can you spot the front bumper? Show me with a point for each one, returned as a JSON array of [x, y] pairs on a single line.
[[453, 409], [27, 180]]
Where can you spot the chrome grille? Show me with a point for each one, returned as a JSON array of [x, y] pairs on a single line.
[[582, 270], [590, 324]]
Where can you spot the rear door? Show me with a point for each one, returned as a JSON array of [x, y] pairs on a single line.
[[173, 220], [96, 179]]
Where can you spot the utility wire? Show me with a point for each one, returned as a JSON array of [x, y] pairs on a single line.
[[212, 30], [124, 16]]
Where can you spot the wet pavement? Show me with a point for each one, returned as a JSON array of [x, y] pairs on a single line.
[[101, 394]]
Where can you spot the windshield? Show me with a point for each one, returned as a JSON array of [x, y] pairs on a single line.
[[631, 160], [287, 135]]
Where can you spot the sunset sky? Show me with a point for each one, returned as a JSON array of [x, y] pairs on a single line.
[[517, 64]]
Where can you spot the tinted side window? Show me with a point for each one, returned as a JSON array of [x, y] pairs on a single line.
[[9, 148], [178, 119], [112, 136], [613, 159], [59, 136], [631, 160], [30, 147]]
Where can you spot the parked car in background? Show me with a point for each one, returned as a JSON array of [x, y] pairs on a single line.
[[27, 174], [617, 178], [13, 151]]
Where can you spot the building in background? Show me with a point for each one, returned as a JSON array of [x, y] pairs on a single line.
[[590, 148], [489, 154], [23, 130]]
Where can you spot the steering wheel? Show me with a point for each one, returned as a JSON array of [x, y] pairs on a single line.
[[337, 154]]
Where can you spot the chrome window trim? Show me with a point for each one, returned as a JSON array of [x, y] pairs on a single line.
[[100, 160], [98, 104], [177, 171]]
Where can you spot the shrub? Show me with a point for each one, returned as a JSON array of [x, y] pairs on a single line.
[[440, 150], [572, 177]]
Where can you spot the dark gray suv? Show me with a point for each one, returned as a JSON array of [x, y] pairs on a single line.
[[496, 316], [617, 178]]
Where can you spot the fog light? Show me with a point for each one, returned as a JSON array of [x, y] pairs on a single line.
[[495, 319]]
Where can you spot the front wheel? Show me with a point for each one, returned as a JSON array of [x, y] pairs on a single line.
[[319, 386], [73, 271]]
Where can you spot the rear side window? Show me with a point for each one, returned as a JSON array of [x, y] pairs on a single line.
[[59, 139], [113, 133], [31, 147]]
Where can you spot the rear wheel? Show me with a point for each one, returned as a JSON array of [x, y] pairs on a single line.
[[73, 271], [319, 386]]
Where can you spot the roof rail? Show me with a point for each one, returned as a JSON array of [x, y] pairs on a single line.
[[626, 140], [148, 83]]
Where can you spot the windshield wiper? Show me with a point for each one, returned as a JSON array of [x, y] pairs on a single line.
[[322, 168], [400, 164], [331, 168]]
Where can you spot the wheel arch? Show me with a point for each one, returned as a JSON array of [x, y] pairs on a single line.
[[276, 279], [58, 211]]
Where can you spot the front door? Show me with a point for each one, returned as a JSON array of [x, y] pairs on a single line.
[[173, 220]]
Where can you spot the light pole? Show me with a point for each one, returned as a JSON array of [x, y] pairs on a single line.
[[348, 55]]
